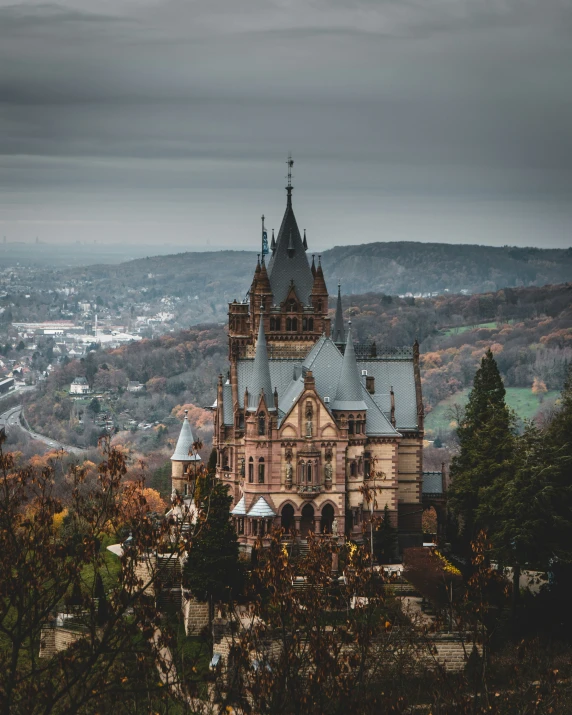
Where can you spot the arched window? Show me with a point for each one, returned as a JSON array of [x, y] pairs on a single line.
[[309, 474], [294, 324], [261, 470], [261, 425], [288, 324], [251, 470], [366, 464], [302, 472], [310, 323], [351, 425]]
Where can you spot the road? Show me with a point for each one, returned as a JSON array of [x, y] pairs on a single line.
[[11, 419]]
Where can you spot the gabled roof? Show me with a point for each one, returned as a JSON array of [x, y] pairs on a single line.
[[260, 378], [289, 263], [184, 444], [240, 508], [261, 509], [349, 393]]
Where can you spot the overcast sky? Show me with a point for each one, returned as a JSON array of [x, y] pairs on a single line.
[[169, 121]]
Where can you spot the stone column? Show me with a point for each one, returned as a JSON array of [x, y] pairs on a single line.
[[297, 520]]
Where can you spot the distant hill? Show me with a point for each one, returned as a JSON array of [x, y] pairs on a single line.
[[390, 268]]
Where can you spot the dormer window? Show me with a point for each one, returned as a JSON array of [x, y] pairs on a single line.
[[292, 307]]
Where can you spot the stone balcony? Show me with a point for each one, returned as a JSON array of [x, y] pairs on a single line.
[[309, 490]]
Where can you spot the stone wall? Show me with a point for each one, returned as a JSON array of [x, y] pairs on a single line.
[[195, 614]]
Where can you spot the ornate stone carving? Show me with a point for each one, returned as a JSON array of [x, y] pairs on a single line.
[[328, 473], [289, 472]]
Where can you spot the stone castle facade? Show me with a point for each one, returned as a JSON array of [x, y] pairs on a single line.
[[308, 418]]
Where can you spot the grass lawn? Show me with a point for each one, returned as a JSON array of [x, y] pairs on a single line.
[[519, 399], [458, 330]]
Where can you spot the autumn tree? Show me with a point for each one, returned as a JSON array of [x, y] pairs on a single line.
[[50, 566]]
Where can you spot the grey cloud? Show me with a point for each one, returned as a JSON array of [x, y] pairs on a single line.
[[108, 108]]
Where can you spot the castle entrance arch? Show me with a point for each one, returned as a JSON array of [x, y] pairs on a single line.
[[287, 521], [327, 519], [307, 521]]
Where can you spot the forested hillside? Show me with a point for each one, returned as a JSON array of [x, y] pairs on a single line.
[[528, 329], [204, 283]]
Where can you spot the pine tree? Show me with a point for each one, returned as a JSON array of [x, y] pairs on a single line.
[[212, 570], [486, 456]]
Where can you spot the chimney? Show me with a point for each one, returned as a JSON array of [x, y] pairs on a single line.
[[370, 384]]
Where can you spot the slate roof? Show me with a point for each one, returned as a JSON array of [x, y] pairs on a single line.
[[432, 482], [325, 361], [261, 509], [240, 508], [260, 378], [289, 263], [184, 443], [349, 390]]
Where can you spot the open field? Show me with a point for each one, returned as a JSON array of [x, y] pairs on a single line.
[[519, 399], [458, 330]]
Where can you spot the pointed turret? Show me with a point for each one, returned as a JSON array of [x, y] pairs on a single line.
[[339, 331], [313, 269], [305, 242], [349, 395], [273, 243], [289, 259], [319, 287], [184, 444], [260, 379]]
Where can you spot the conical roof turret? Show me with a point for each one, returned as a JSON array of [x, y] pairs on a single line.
[[305, 242], [289, 261], [273, 243], [319, 287], [339, 331], [184, 444], [260, 379], [349, 395]]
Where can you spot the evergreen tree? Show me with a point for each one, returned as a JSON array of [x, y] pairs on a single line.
[[212, 570], [486, 457]]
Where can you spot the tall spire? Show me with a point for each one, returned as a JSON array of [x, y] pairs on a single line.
[[184, 444], [260, 379], [289, 187], [273, 244], [349, 395], [289, 261], [339, 332], [305, 242]]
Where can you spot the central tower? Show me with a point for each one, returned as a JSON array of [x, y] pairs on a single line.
[[289, 295]]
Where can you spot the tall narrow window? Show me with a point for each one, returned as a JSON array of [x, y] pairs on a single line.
[[309, 474], [251, 470], [277, 322], [353, 469], [351, 425], [261, 425], [294, 324], [304, 323], [272, 324], [310, 323], [261, 470], [319, 306], [288, 324]]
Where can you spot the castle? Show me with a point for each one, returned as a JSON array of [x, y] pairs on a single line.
[[309, 419]]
